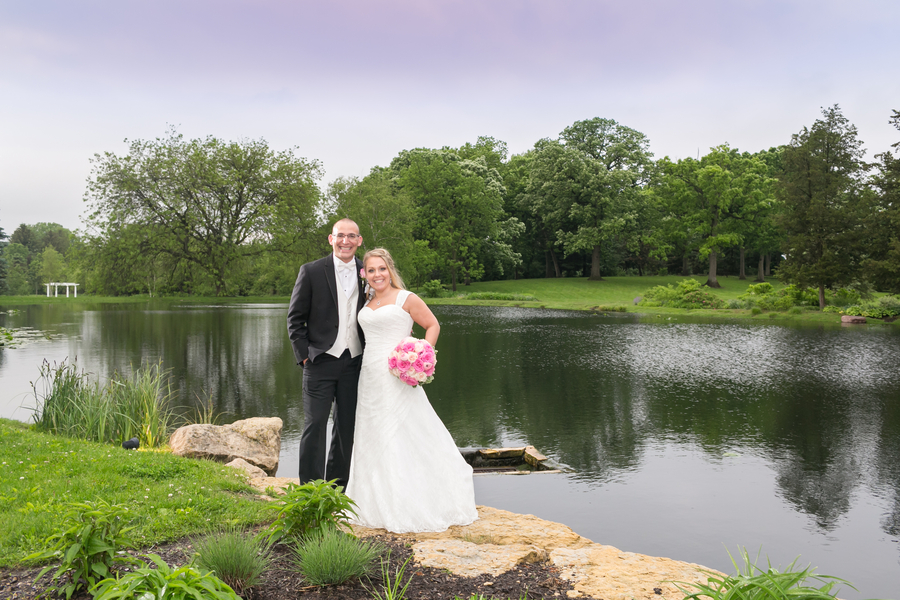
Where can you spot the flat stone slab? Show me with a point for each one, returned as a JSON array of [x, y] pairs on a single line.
[[469, 559]]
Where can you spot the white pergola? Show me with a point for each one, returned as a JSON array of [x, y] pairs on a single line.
[[56, 288]]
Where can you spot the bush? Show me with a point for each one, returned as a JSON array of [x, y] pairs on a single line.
[[236, 559], [87, 544], [844, 297], [755, 310], [164, 582], [330, 557], [433, 289], [687, 293], [314, 506]]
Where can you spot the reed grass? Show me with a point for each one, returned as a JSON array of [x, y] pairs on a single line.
[[237, 559], [70, 402], [331, 557]]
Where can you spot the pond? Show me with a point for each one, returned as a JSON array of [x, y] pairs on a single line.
[[685, 439]]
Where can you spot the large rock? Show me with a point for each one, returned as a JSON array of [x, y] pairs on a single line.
[[257, 441], [853, 319]]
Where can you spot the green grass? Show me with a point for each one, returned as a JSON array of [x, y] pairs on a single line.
[[171, 496]]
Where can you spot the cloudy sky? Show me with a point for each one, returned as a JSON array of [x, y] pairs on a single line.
[[353, 82]]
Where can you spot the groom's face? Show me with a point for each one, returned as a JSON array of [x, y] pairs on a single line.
[[345, 239]]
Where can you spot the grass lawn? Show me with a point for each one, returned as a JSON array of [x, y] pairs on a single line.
[[169, 496]]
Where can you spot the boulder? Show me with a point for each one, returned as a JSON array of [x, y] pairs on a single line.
[[853, 319], [257, 441]]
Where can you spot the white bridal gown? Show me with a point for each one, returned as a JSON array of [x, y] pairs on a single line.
[[406, 474]]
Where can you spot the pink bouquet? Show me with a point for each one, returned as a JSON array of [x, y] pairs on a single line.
[[412, 361]]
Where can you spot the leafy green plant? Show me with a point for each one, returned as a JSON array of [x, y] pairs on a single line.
[[392, 587], [87, 545], [147, 583], [235, 558], [754, 583], [314, 506], [688, 293], [755, 310], [433, 289], [330, 557]]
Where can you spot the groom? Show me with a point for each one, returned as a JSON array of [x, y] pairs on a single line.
[[328, 343]]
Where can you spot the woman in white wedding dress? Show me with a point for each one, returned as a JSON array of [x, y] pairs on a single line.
[[406, 473]]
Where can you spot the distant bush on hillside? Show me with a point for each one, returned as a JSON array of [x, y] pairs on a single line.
[[688, 293]]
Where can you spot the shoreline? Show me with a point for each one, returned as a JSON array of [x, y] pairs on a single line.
[[645, 314]]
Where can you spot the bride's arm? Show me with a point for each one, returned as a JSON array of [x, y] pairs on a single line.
[[422, 315]]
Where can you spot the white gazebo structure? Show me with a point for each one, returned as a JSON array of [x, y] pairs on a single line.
[[56, 288]]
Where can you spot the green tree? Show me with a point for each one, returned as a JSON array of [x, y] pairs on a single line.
[[712, 196], [208, 198], [52, 265], [3, 270], [17, 276], [459, 206], [820, 187], [585, 187], [882, 222]]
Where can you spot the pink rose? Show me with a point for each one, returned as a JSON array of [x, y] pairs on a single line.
[[392, 362], [408, 347], [362, 273], [421, 377], [420, 345], [412, 357], [403, 365], [419, 366]]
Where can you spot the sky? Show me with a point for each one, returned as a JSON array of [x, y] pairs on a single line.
[[351, 83]]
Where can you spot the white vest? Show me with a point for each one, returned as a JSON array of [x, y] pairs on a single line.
[[348, 334]]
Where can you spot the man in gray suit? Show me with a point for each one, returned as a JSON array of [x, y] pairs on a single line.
[[328, 344]]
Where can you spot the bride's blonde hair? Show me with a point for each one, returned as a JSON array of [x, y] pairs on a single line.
[[383, 254]]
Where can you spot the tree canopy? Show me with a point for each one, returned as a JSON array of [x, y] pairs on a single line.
[[206, 202]]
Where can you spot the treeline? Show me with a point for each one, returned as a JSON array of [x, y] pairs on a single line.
[[205, 216]]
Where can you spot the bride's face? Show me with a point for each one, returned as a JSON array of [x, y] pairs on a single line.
[[377, 274]]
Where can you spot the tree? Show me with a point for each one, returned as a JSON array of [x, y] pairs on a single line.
[[820, 187], [882, 222], [459, 206], [52, 266], [17, 275], [712, 195], [583, 187], [3, 272], [208, 199]]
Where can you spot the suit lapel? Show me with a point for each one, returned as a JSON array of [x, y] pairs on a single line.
[[362, 287], [330, 278]]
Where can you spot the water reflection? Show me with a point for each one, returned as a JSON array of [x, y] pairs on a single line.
[[793, 431]]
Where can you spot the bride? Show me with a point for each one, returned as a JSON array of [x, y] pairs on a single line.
[[406, 473]]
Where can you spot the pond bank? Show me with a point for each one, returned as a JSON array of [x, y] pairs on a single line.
[[500, 540]]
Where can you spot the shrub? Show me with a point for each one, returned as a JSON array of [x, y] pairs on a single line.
[[756, 584], [314, 506], [844, 297], [687, 293], [87, 544], [330, 557], [433, 289], [734, 303], [700, 299], [164, 582], [760, 289], [755, 310], [236, 559]]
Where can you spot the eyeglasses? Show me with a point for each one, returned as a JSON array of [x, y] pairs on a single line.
[[348, 236]]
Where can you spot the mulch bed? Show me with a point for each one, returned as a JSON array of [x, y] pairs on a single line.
[[283, 582]]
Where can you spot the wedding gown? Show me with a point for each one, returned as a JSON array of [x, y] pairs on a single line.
[[406, 473]]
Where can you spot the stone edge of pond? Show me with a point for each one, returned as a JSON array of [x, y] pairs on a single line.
[[499, 540]]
